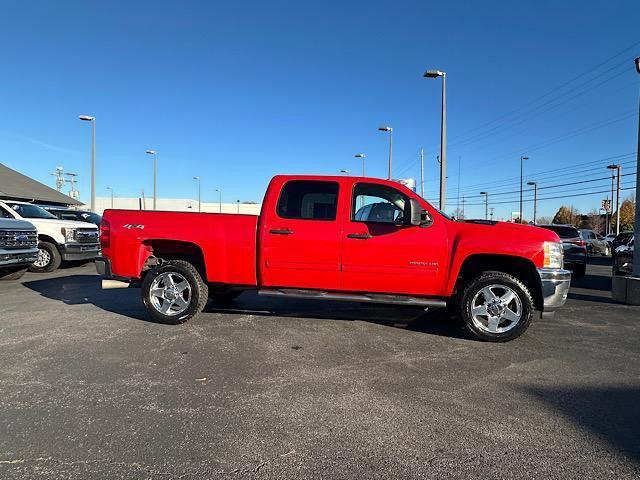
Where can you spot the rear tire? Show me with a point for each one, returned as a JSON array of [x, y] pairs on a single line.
[[506, 302], [174, 292], [49, 258], [12, 273]]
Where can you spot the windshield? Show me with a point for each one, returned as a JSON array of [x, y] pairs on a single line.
[[30, 211]]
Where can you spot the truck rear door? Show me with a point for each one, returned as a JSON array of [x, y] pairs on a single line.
[[300, 240]]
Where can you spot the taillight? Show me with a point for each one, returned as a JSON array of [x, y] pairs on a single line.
[[577, 241], [105, 234]]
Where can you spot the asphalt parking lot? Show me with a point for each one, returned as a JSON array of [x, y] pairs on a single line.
[[267, 388]]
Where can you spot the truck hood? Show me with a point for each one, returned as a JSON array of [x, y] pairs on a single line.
[[55, 222], [15, 224], [506, 231]]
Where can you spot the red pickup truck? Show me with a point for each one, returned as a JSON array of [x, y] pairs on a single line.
[[338, 238]]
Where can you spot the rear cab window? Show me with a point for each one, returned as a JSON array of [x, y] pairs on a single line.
[[308, 200]]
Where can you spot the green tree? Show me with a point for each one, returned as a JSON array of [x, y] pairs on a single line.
[[627, 214], [566, 216]]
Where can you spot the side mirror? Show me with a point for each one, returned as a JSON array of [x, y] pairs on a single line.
[[414, 214]]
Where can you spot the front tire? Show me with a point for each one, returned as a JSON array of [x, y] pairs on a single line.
[[49, 258], [496, 307], [174, 292]]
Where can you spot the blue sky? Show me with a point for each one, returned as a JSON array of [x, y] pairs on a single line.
[[238, 91]]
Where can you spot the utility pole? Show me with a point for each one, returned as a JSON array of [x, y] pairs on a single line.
[[618, 169], [88, 118], [422, 172], [59, 178], [491, 213], [486, 204], [463, 207], [535, 200], [73, 193], [390, 131], [155, 175], [144, 201], [522, 159], [636, 234], [458, 195], [111, 189], [220, 200], [443, 134], [197, 179]]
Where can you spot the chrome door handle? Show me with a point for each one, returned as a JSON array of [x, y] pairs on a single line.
[[360, 236], [281, 231]]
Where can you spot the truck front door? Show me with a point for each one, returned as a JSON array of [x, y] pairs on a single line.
[[380, 254], [300, 242]]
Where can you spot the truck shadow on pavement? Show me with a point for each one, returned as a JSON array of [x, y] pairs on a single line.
[[86, 289], [609, 413]]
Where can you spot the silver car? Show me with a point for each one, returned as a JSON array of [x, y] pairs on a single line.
[[596, 243]]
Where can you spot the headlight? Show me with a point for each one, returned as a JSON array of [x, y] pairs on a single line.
[[69, 234], [553, 255]]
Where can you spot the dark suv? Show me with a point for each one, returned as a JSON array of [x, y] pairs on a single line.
[[575, 250], [77, 215]]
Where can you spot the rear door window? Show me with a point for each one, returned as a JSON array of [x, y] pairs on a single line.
[[308, 200]]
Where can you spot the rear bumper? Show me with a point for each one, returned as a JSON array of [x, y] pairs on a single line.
[[109, 281], [79, 251], [555, 287]]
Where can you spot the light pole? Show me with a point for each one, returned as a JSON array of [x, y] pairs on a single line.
[[443, 133], [199, 195], [522, 159], [219, 200], [486, 204], [238, 204], [87, 118], [390, 130], [344, 172], [362, 156], [491, 213], [535, 200], [636, 234], [155, 176], [618, 169], [109, 188]]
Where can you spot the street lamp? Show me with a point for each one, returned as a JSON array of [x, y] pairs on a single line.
[[344, 172], [535, 200], [390, 130], [443, 133], [362, 156], [199, 195], [109, 188], [87, 118], [618, 169], [219, 200], [155, 176], [636, 234], [522, 159], [486, 204]]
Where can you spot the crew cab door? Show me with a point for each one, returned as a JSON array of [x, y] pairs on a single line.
[[380, 254], [300, 240]]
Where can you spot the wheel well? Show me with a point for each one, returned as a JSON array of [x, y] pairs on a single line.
[[519, 267], [47, 238], [162, 250]]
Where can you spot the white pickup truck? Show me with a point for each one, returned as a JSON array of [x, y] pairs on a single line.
[[58, 240], [18, 247]]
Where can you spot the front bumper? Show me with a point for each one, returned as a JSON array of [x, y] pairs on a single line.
[[11, 258], [555, 287], [79, 251]]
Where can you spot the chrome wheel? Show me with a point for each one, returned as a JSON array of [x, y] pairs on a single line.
[[44, 258], [496, 309], [170, 293]]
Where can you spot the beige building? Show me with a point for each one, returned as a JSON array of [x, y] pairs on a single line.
[[175, 205]]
